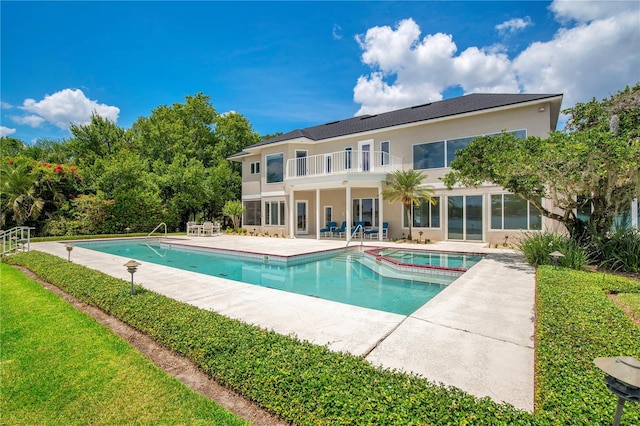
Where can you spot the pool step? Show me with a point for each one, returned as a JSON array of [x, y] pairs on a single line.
[[389, 272]]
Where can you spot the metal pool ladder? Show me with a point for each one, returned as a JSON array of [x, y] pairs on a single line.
[[156, 228]]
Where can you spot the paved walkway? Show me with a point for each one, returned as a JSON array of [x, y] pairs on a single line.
[[476, 335]]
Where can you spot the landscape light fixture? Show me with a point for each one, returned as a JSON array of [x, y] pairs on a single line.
[[555, 258], [622, 378], [69, 247], [131, 267]]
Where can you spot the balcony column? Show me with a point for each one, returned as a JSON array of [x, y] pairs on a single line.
[[348, 218], [381, 213], [292, 214], [317, 213]]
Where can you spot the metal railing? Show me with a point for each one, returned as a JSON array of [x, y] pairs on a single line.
[[358, 230], [342, 162], [157, 227], [17, 238]]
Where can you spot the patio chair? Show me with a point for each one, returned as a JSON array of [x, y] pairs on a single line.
[[340, 231], [207, 228], [328, 230], [371, 232], [192, 229]]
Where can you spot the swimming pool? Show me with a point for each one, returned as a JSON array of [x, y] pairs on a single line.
[[344, 276]]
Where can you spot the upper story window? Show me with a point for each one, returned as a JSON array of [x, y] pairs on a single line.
[[428, 155], [275, 168], [434, 155], [384, 149], [255, 168]]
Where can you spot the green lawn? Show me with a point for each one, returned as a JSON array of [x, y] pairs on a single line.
[[59, 366]]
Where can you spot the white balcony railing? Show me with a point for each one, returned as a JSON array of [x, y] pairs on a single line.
[[342, 162]]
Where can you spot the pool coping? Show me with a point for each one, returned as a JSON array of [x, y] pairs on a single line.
[[477, 334]]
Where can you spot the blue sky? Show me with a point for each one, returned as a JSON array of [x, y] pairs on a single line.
[[288, 65]]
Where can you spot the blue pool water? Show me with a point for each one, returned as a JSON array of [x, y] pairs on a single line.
[[346, 276]]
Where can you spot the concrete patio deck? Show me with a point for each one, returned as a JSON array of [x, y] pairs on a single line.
[[476, 335]]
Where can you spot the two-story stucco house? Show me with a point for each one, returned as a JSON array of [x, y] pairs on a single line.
[[296, 183]]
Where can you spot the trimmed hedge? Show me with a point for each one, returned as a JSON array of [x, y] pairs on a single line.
[[576, 324], [303, 383], [309, 385]]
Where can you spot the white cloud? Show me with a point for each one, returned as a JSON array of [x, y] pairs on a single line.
[[69, 106], [513, 25], [589, 60], [586, 11], [6, 131], [336, 33], [29, 120], [594, 54], [6, 105], [424, 68]]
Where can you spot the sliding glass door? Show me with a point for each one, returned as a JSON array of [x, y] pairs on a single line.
[[464, 218]]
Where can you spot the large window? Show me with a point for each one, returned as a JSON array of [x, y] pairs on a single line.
[[275, 168], [455, 144], [509, 211], [434, 155], [428, 155], [426, 215], [623, 219], [252, 213], [274, 213]]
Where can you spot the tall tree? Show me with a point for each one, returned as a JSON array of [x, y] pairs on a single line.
[[183, 186], [98, 139], [233, 134], [185, 128], [407, 187], [593, 165]]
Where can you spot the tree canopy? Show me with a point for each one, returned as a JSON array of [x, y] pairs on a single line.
[[168, 167], [593, 165]]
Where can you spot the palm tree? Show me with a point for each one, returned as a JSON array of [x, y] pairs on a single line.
[[407, 187], [18, 194]]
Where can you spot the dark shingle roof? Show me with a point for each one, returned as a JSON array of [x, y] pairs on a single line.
[[429, 111]]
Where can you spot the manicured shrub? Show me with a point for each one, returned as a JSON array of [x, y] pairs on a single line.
[[537, 248], [619, 251]]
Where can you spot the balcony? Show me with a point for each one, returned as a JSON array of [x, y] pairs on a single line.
[[341, 163]]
